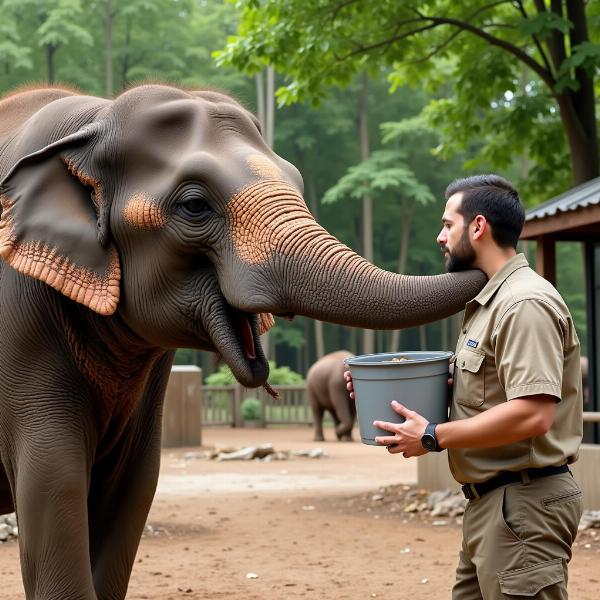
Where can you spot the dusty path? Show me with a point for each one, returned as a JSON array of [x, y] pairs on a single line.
[[305, 527]]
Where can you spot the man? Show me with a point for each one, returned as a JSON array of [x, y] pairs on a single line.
[[516, 414]]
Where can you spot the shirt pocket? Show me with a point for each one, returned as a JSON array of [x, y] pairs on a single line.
[[469, 377]]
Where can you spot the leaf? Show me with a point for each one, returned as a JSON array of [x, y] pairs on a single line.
[[543, 24]]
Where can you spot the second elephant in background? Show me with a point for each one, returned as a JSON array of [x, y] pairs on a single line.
[[326, 390]]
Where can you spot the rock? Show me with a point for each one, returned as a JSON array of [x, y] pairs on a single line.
[[312, 453], [5, 531], [590, 519], [446, 503], [247, 453], [436, 497]]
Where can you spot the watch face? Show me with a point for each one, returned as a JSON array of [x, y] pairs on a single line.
[[428, 442]]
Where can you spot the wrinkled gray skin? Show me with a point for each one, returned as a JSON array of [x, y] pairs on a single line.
[[131, 227], [326, 389]]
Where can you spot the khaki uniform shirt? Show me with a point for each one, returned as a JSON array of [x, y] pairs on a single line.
[[517, 339]]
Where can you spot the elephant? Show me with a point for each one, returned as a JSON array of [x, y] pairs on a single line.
[[326, 390], [131, 227]]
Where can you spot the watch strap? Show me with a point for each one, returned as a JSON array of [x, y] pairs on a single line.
[[430, 431]]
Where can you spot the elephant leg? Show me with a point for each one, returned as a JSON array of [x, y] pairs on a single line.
[[123, 486], [318, 411], [345, 417], [51, 488]]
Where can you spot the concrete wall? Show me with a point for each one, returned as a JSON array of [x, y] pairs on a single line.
[[433, 473], [182, 414]]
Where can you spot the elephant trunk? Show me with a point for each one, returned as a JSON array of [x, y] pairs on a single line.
[[339, 286], [296, 266]]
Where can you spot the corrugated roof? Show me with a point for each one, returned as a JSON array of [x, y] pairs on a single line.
[[586, 194]]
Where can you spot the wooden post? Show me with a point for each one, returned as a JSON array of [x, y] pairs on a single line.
[[545, 263], [182, 413]]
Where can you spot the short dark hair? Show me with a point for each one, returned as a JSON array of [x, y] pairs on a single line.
[[497, 200]]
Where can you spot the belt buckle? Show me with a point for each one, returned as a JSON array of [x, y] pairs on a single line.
[[469, 491]]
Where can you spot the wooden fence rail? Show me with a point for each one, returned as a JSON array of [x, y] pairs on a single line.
[[221, 405]]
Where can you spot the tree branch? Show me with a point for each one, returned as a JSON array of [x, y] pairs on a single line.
[[438, 48], [556, 43], [536, 40], [365, 49], [341, 7], [500, 43]]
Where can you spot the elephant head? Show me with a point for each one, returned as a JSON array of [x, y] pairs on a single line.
[[166, 209]]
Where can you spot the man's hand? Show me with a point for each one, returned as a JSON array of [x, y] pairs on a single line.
[[349, 386], [407, 436]]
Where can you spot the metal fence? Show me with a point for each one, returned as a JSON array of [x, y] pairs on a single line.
[[221, 405]]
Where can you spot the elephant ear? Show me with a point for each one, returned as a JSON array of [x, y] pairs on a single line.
[[53, 226]]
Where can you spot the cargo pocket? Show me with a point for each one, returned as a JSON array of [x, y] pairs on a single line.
[[469, 377], [528, 581]]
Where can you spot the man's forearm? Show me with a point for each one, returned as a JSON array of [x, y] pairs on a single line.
[[506, 423]]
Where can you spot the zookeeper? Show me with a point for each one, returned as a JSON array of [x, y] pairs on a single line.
[[516, 414]]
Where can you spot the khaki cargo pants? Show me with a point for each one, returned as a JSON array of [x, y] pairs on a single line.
[[517, 541]]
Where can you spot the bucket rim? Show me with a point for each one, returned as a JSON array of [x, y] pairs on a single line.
[[440, 355]]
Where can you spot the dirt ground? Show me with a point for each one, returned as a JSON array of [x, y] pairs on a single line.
[[331, 528]]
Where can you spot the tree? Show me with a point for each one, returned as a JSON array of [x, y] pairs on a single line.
[[385, 172], [482, 47], [12, 51], [58, 27]]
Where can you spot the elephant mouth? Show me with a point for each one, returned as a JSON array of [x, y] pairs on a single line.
[[236, 337], [246, 335]]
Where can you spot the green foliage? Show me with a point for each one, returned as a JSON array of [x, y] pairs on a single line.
[[187, 356], [476, 106], [166, 40], [278, 375], [250, 409], [570, 281], [383, 171], [223, 376], [491, 65], [283, 375]]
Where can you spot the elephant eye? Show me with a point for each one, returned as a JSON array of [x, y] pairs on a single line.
[[194, 205]]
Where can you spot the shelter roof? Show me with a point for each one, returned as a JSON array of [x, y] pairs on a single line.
[[574, 215]]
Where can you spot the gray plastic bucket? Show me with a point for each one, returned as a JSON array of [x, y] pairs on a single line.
[[419, 383]]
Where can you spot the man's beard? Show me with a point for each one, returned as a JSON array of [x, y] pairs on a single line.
[[463, 255]]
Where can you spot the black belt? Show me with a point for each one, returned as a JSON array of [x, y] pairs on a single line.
[[476, 490]]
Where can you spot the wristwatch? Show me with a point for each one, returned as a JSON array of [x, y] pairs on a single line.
[[428, 439]]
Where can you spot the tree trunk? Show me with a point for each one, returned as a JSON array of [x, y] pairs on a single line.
[[444, 332], [584, 146], [402, 258], [577, 107], [581, 137], [422, 337], [270, 105], [125, 61], [269, 116], [314, 208], [367, 202], [260, 99], [50, 50], [108, 49]]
